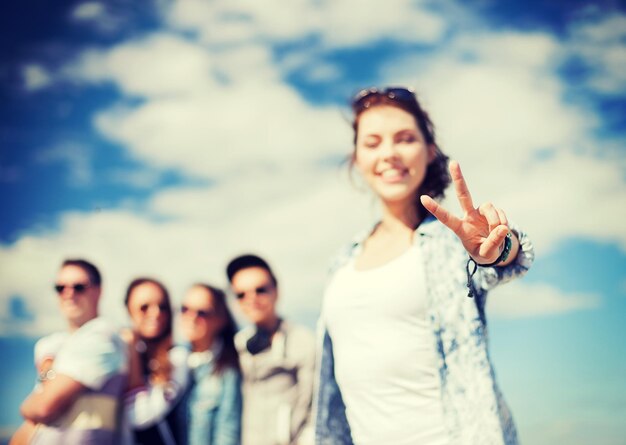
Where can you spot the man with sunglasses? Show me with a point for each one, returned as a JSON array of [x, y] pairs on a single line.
[[277, 360], [82, 370]]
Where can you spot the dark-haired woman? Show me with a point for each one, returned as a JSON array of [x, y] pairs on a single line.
[[404, 357], [157, 372], [211, 406]]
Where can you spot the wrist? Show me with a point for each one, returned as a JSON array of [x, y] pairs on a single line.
[[504, 253], [49, 374]]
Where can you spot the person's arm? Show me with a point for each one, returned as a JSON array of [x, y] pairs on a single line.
[[519, 262], [51, 399], [24, 434], [86, 360], [147, 404], [228, 416], [45, 350], [306, 371]]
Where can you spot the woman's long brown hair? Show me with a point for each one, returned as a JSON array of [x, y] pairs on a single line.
[[155, 359], [228, 357]]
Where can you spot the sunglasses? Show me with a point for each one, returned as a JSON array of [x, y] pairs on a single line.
[[162, 307], [200, 313], [261, 290], [365, 98], [78, 288]]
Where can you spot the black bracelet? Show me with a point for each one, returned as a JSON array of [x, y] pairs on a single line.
[[504, 255]]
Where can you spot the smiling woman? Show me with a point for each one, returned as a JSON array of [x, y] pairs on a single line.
[[212, 406], [157, 374], [400, 291]]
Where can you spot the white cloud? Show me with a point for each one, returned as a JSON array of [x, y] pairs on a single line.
[[226, 113], [192, 122], [600, 44], [336, 24], [35, 77], [204, 229], [519, 300], [100, 16], [495, 96], [88, 11], [610, 28], [349, 23], [160, 65], [323, 72], [570, 195], [138, 178], [512, 50], [230, 130], [76, 157]]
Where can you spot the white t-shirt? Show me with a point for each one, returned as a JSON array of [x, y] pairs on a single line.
[[95, 356], [385, 358], [92, 354]]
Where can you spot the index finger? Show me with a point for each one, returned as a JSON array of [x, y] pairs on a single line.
[[462, 192], [448, 219]]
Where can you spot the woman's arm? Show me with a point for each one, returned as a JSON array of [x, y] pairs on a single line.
[[228, 417], [147, 404], [50, 400], [516, 266], [23, 434]]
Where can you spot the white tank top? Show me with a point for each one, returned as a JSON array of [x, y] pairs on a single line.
[[384, 350]]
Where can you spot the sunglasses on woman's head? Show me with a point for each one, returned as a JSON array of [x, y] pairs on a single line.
[[364, 98], [79, 288], [202, 313]]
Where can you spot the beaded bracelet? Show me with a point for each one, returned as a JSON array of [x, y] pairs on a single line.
[[504, 255]]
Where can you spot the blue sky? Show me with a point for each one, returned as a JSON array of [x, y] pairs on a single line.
[[163, 137]]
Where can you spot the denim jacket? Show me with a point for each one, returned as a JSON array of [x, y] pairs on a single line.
[[474, 409], [210, 410]]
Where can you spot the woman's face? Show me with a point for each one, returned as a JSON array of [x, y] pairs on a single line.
[[391, 153], [148, 311], [200, 319]]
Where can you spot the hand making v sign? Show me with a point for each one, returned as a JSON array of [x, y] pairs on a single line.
[[482, 230]]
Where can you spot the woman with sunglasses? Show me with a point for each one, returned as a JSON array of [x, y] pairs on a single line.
[[211, 406], [405, 357], [157, 372]]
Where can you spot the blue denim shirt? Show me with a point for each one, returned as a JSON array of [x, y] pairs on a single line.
[[211, 407], [474, 409]]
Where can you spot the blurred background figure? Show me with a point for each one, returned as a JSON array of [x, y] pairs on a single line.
[[82, 371], [277, 359], [157, 372], [210, 412]]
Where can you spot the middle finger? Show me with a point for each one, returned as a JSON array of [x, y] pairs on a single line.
[[489, 211]]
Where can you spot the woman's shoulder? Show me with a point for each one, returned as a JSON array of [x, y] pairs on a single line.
[[349, 249]]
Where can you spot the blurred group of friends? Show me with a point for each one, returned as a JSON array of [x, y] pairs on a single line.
[[401, 353], [101, 385]]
